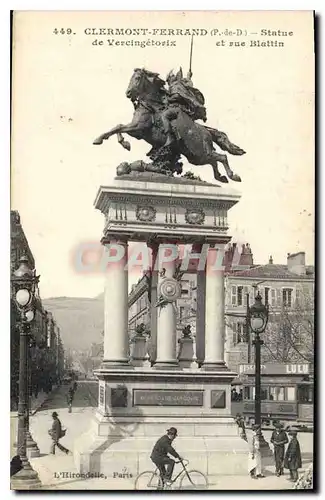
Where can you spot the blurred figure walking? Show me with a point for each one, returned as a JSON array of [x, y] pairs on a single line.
[[56, 433]]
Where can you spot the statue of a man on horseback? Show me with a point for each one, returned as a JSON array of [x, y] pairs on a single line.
[[166, 119], [181, 95]]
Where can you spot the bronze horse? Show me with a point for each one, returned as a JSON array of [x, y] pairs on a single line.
[[194, 141]]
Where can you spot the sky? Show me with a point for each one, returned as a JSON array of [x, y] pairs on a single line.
[[67, 91]]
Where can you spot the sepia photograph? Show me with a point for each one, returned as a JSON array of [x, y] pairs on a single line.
[[162, 250]]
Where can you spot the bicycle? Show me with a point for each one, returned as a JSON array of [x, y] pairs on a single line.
[[190, 480]]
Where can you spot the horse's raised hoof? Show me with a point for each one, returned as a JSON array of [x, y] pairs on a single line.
[[236, 178], [98, 141], [223, 178], [126, 145]]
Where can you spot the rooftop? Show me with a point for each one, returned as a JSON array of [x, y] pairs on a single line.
[[278, 271]]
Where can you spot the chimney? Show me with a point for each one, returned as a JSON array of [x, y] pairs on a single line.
[[246, 257], [270, 259], [296, 263]]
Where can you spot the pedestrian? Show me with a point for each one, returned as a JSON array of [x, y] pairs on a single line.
[[292, 460], [70, 396], [279, 439], [56, 433], [255, 458], [241, 426]]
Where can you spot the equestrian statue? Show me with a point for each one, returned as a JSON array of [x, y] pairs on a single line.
[[166, 119]]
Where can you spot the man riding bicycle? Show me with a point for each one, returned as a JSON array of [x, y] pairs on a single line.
[[159, 454]]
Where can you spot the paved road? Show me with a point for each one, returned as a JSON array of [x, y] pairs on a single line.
[[77, 422]]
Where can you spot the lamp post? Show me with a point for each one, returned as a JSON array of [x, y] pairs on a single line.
[[258, 318], [24, 280], [32, 448]]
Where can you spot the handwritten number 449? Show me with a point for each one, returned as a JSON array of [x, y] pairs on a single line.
[[63, 31]]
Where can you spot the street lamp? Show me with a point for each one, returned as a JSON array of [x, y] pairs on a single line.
[[24, 281], [258, 318]]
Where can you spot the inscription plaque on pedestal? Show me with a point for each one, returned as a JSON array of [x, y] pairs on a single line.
[[162, 397]]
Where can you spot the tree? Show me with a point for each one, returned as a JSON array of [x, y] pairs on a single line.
[[289, 335]]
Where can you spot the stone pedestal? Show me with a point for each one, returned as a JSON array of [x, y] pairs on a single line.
[[138, 350], [186, 352], [137, 406]]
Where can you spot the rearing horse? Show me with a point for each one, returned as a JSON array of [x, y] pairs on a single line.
[[194, 141]]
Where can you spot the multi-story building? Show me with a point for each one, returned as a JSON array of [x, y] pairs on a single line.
[[46, 353], [288, 291]]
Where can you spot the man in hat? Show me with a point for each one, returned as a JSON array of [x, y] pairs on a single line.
[[57, 433], [292, 460], [279, 439], [255, 462], [159, 455]]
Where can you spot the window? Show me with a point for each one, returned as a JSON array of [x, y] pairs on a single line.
[[277, 393], [291, 393], [273, 297], [239, 295], [305, 394], [181, 314], [264, 393], [185, 288], [233, 296], [239, 333], [266, 296], [246, 392], [287, 297]]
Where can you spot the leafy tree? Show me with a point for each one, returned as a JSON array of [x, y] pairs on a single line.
[[289, 335]]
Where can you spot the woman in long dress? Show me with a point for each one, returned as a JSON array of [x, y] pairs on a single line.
[[254, 458]]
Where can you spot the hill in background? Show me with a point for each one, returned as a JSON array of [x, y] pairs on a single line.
[[81, 320]]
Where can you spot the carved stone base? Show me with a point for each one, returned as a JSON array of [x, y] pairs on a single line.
[[32, 449], [25, 479], [137, 408]]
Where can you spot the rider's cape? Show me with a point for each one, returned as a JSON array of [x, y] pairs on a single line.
[[182, 92]]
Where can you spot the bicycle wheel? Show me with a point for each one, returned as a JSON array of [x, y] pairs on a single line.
[[194, 480], [147, 480]]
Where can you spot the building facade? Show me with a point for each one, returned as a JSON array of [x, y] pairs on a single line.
[[288, 291], [46, 349]]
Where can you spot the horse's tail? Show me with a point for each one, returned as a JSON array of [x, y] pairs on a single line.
[[221, 139]]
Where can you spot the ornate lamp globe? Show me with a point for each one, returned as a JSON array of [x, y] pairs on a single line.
[[24, 281], [30, 315], [23, 297], [258, 315], [24, 271]]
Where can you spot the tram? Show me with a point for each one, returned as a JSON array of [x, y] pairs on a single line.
[[287, 393]]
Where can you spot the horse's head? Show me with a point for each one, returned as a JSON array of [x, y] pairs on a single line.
[[143, 82]]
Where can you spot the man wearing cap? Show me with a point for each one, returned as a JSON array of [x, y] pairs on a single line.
[[56, 433], [292, 460], [160, 451], [279, 439]]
